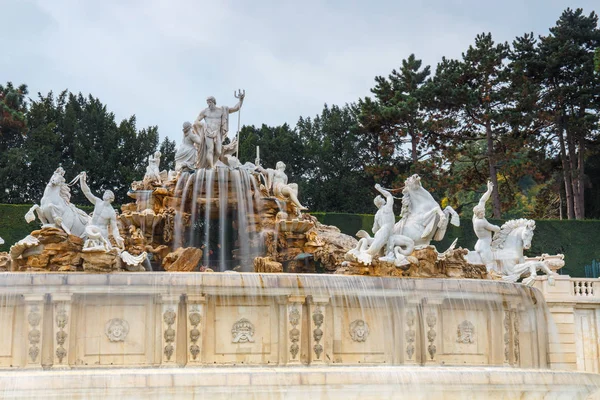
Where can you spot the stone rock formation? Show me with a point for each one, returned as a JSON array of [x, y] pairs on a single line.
[[48, 249], [182, 260]]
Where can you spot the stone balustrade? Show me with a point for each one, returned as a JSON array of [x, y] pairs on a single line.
[[574, 304]]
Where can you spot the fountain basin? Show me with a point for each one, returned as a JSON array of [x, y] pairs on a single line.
[[171, 333], [421, 383]]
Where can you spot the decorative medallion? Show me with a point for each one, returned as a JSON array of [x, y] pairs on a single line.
[[116, 330], [466, 332], [359, 330], [242, 331]]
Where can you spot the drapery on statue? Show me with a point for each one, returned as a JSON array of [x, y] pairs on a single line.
[[276, 182], [213, 131], [484, 230], [104, 219], [186, 155], [55, 208]]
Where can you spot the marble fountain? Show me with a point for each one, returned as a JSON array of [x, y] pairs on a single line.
[[206, 287]]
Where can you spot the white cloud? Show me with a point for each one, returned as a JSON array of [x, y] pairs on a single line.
[[160, 59]]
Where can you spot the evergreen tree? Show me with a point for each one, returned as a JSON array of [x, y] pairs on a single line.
[[168, 149], [474, 93], [400, 97]]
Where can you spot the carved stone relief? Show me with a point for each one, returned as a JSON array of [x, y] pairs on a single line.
[[359, 330], [318, 332], [62, 319], [169, 334], [506, 337], [410, 334], [466, 332], [515, 317], [294, 317], [195, 320], [116, 330], [34, 318], [242, 331], [431, 334]]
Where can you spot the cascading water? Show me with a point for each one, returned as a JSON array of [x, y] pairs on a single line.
[[217, 214]]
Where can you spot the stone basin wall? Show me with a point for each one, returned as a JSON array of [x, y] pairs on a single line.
[[77, 320]]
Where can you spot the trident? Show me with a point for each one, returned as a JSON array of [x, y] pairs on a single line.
[[238, 95]]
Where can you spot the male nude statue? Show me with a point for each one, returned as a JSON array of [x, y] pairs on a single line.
[[105, 217], [215, 128], [484, 230], [382, 226]]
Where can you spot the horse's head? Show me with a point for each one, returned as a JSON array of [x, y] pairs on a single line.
[[527, 233], [58, 177], [413, 182]]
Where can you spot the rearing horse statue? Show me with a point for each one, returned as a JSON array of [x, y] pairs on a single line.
[[56, 210], [422, 219]]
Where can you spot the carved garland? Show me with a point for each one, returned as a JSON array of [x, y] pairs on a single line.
[[506, 336], [515, 317], [195, 320], [34, 318], [169, 318], [294, 318], [431, 334], [318, 332], [62, 319], [410, 334]]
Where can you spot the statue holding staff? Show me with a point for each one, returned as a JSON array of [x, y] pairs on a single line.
[[214, 130]]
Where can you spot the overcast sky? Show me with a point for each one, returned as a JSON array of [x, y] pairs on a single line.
[[160, 59]]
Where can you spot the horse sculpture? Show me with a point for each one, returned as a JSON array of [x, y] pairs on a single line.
[[508, 245], [55, 208], [422, 219]]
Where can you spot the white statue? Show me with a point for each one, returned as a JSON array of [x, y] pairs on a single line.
[[1, 241], [153, 175], [484, 230], [528, 269], [214, 131], [104, 220], [56, 210], [507, 245], [397, 247], [277, 183], [422, 219], [185, 158]]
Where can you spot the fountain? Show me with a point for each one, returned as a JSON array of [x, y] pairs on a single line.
[[205, 287]]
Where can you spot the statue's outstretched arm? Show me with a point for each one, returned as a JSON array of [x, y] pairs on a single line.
[[388, 196], [86, 189], [238, 105], [486, 195]]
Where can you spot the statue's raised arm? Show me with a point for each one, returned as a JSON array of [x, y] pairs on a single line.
[[86, 189], [239, 95]]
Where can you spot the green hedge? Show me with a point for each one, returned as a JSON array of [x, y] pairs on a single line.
[[579, 241]]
